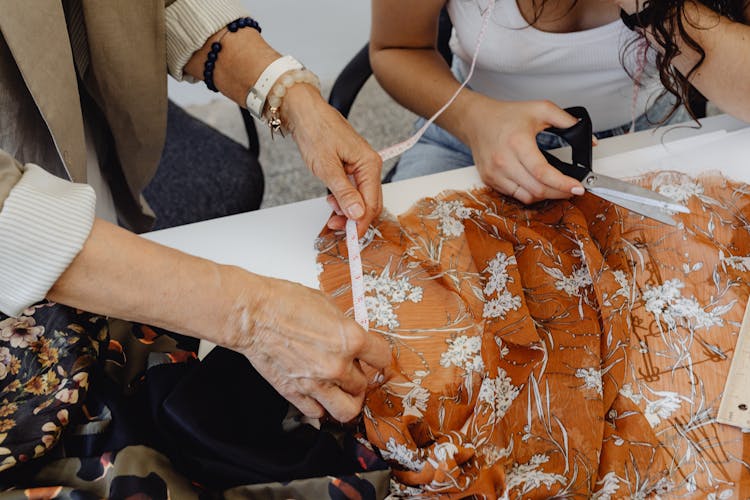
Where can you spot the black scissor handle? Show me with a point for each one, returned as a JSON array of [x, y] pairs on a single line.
[[579, 138]]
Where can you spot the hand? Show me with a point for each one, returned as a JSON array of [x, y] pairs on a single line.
[[333, 151], [305, 347], [502, 137]]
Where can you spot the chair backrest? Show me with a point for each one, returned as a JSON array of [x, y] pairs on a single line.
[[356, 73]]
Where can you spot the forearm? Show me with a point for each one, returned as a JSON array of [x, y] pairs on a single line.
[[724, 75], [426, 93], [122, 275]]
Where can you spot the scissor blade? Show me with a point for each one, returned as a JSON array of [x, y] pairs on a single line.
[[649, 211], [600, 184]]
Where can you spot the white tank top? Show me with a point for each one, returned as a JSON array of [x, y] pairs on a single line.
[[518, 62]]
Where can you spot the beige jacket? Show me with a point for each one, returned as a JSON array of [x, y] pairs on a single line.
[[127, 50]]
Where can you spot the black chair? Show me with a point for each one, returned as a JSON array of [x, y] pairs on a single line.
[[354, 75]]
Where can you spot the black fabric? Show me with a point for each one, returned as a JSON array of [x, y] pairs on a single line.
[[221, 425], [202, 174]]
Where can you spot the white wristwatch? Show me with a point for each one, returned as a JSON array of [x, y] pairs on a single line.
[[256, 98]]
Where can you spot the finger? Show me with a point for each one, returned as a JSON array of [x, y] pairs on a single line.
[[334, 204], [550, 182], [367, 177], [375, 351], [555, 116], [307, 405], [354, 381], [337, 222], [346, 194], [339, 404]]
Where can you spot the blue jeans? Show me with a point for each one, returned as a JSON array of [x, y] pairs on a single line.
[[440, 151]]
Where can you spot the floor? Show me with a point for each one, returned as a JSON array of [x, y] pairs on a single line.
[[374, 115]]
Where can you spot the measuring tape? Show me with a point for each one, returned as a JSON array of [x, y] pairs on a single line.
[[352, 241], [734, 408]]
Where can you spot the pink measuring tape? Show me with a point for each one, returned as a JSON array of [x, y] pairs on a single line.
[[352, 241]]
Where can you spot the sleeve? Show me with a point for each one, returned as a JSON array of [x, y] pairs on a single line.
[[190, 23], [44, 223]]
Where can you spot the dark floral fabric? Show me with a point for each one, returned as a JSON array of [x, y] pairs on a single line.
[[45, 358], [101, 408]]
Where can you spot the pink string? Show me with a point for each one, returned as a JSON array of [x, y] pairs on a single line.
[[402, 147]]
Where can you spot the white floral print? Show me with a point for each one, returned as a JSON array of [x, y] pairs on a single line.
[[682, 191], [609, 486], [662, 408], [416, 399], [498, 269], [402, 455], [592, 379], [497, 284], [738, 263], [451, 213], [384, 293], [666, 303], [499, 393], [528, 476], [572, 285], [499, 307], [464, 352], [627, 391]]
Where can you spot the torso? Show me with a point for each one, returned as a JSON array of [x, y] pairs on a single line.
[[565, 16], [571, 57]]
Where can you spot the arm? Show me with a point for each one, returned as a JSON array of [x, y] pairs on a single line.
[[724, 76], [501, 134], [328, 144], [293, 335]]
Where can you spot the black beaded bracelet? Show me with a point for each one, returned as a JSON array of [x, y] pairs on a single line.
[[213, 54], [642, 19]]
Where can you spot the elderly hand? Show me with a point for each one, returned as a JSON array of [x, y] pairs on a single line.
[[305, 347], [502, 137], [333, 151]]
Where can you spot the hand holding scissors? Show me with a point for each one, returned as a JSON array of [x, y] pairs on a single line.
[[625, 194]]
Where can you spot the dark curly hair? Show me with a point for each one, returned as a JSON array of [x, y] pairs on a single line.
[[669, 22]]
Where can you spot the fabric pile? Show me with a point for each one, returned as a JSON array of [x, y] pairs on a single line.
[[565, 349]]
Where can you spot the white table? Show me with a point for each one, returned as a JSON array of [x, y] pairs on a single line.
[[278, 241]]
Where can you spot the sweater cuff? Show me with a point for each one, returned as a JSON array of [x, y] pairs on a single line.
[[44, 223], [190, 23]]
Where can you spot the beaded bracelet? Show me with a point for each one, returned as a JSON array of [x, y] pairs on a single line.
[[278, 91], [213, 54]]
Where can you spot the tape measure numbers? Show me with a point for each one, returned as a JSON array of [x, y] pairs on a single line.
[[357, 277], [734, 408], [352, 241]]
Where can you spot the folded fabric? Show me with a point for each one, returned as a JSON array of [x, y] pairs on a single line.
[[221, 424], [566, 349]]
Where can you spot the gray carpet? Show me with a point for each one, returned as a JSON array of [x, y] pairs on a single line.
[[379, 119]]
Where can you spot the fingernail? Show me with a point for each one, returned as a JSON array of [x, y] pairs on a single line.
[[355, 211], [578, 190]]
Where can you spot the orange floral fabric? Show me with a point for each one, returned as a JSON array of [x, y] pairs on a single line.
[[564, 349]]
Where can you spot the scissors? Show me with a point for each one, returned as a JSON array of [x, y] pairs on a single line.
[[634, 198]]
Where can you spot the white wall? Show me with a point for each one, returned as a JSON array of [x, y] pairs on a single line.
[[322, 34]]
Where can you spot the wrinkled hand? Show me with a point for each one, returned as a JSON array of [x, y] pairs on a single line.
[[333, 151], [502, 137], [307, 349]]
